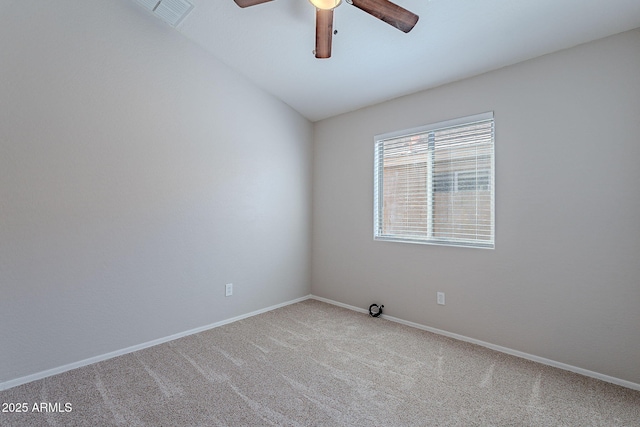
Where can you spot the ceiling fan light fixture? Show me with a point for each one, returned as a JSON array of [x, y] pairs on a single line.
[[325, 4]]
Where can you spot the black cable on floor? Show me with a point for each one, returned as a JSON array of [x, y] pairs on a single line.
[[374, 310]]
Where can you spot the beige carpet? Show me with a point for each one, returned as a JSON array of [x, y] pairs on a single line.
[[313, 364]]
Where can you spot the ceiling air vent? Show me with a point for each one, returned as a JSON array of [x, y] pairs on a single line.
[[170, 11]]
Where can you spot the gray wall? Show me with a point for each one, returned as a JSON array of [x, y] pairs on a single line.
[[137, 176], [564, 280]]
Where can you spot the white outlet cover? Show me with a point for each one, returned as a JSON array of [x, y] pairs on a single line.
[[440, 298], [228, 290]]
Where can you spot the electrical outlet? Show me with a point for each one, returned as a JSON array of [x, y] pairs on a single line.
[[440, 298], [228, 290]]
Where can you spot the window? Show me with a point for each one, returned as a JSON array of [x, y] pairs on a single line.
[[435, 184]]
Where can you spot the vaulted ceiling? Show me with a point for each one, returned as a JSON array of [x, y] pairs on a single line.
[[272, 44]]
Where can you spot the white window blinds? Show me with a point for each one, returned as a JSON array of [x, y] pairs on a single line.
[[435, 184]]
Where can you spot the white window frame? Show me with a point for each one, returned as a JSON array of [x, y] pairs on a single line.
[[429, 239]]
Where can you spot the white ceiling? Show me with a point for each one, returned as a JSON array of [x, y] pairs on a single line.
[[371, 61]]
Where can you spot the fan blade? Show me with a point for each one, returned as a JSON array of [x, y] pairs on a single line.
[[324, 32], [246, 3], [389, 12]]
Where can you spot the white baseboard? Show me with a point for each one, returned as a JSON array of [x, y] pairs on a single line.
[[544, 361], [54, 371]]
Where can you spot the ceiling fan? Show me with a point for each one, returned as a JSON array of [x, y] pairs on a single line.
[[388, 12]]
